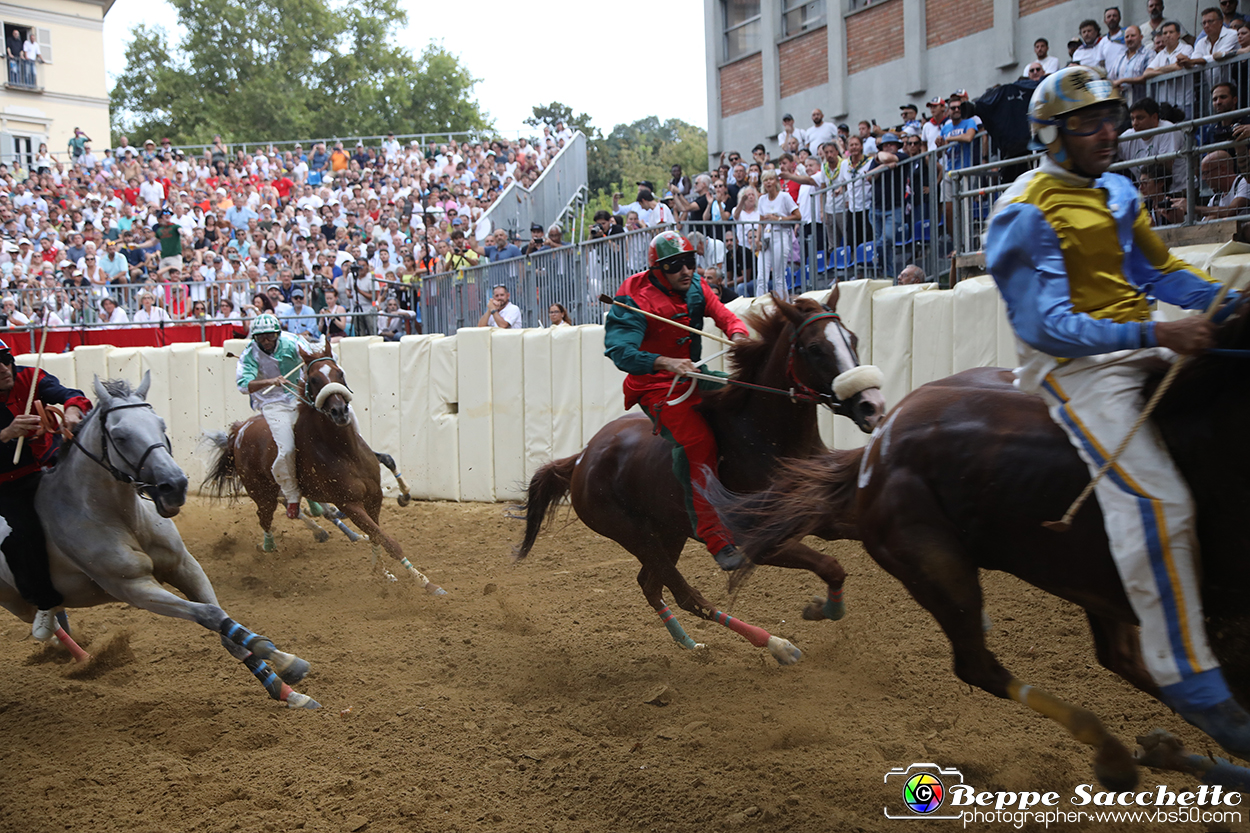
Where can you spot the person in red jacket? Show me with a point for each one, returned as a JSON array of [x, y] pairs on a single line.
[[23, 544], [651, 353]]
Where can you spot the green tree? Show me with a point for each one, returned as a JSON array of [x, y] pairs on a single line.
[[264, 69], [549, 114]]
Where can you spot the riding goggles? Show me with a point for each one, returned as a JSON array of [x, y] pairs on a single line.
[[1092, 120], [674, 265]]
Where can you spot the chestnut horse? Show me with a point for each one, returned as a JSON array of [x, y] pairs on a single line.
[[623, 486], [333, 463], [961, 476]]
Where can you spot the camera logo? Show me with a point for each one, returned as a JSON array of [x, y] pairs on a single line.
[[922, 788]]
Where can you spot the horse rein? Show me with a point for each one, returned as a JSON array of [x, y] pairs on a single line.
[[799, 390], [327, 390], [107, 439]]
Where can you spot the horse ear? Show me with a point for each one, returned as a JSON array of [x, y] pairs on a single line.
[[832, 301], [101, 395], [789, 310], [142, 390]]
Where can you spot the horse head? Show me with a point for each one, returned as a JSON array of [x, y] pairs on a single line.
[[325, 386], [133, 446], [824, 358]]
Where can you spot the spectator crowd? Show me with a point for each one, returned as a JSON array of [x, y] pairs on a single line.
[[334, 239]]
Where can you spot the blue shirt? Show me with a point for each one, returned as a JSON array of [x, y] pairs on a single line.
[[494, 253], [299, 324], [959, 154], [238, 216]]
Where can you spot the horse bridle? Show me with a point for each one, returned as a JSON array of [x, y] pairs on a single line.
[[106, 440], [336, 385], [800, 391]]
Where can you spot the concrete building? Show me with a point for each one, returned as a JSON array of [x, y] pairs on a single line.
[[862, 59], [66, 88]]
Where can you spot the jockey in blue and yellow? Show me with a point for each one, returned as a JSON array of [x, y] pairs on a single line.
[[1073, 254], [652, 352]]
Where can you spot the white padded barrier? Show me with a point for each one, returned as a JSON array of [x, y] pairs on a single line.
[[932, 329], [976, 323], [593, 369], [537, 400], [507, 384], [90, 361], [1006, 337], [182, 437], [60, 365], [183, 415], [477, 474], [892, 337], [125, 363], [566, 391], [386, 420], [353, 357], [444, 455]]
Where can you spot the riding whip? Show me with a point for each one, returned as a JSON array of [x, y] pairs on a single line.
[[609, 300], [34, 384], [286, 375], [1065, 523]]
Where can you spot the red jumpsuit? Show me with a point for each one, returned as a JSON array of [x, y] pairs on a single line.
[[633, 341]]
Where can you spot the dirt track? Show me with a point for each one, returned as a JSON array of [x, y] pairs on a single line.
[[519, 701]]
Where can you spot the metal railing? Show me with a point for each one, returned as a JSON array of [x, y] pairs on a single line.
[[1171, 183], [551, 195], [1191, 89], [23, 74]]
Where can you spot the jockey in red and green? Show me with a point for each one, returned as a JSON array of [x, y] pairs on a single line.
[[652, 352]]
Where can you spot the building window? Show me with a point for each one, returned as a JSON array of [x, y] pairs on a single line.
[[23, 56], [800, 15], [852, 5], [742, 28]]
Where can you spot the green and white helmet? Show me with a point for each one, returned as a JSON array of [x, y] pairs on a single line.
[[266, 322]]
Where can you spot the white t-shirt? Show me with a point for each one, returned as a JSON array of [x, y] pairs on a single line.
[[1166, 59], [1240, 188], [118, 317], [151, 318], [931, 132], [510, 313], [30, 50], [817, 135], [1226, 42]]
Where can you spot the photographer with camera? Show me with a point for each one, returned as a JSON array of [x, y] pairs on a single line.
[[357, 289]]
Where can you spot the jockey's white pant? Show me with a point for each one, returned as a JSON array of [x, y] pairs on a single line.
[[1148, 513], [281, 419]]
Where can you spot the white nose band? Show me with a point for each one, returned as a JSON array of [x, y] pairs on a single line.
[[856, 380], [334, 387]]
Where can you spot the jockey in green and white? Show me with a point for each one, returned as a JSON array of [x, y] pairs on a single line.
[[263, 375]]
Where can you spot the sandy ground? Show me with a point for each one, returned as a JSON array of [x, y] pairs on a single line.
[[543, 696]]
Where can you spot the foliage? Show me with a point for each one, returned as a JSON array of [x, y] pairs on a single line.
[[261, 69], [644, 150]]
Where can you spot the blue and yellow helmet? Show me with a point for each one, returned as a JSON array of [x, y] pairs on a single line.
[[1061, 95]]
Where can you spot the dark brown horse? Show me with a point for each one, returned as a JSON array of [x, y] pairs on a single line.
[[961, 476], [623, 487], [333, 463]]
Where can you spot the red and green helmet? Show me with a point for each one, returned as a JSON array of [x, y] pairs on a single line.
[[666, 245]]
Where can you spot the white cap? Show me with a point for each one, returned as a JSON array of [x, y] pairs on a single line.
[[221, 190]]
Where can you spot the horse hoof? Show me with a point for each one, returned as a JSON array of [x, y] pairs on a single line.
[[404, 500], [1114, 767], [435, 590], [783, 650], [266, 544], [291, 669], [301, 701], [321, 536]]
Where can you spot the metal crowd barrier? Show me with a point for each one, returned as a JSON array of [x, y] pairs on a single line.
[[977, 188], [1191, 89]]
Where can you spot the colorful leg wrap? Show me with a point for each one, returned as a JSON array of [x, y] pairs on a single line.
[[834, 608], [675, 629], [240, 635], [314, 509], [267, 678], [756, 636]]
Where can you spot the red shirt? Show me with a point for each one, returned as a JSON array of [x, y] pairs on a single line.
[[35, 449]]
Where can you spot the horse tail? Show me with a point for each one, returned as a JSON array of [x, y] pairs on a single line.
[[548, 485], [808, 495], [223, 477]]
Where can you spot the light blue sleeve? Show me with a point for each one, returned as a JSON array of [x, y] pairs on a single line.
[[1023, 254]]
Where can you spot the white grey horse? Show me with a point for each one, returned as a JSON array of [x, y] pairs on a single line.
[[107, 544]]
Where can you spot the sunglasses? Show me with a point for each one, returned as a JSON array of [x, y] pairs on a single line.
[[674, 265]]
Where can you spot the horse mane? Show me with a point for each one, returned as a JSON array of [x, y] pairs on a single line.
[[118, 388], [749, 358]]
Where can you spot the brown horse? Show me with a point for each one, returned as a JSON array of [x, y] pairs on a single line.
[[961, 476], [333, 462], [623, 485]]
